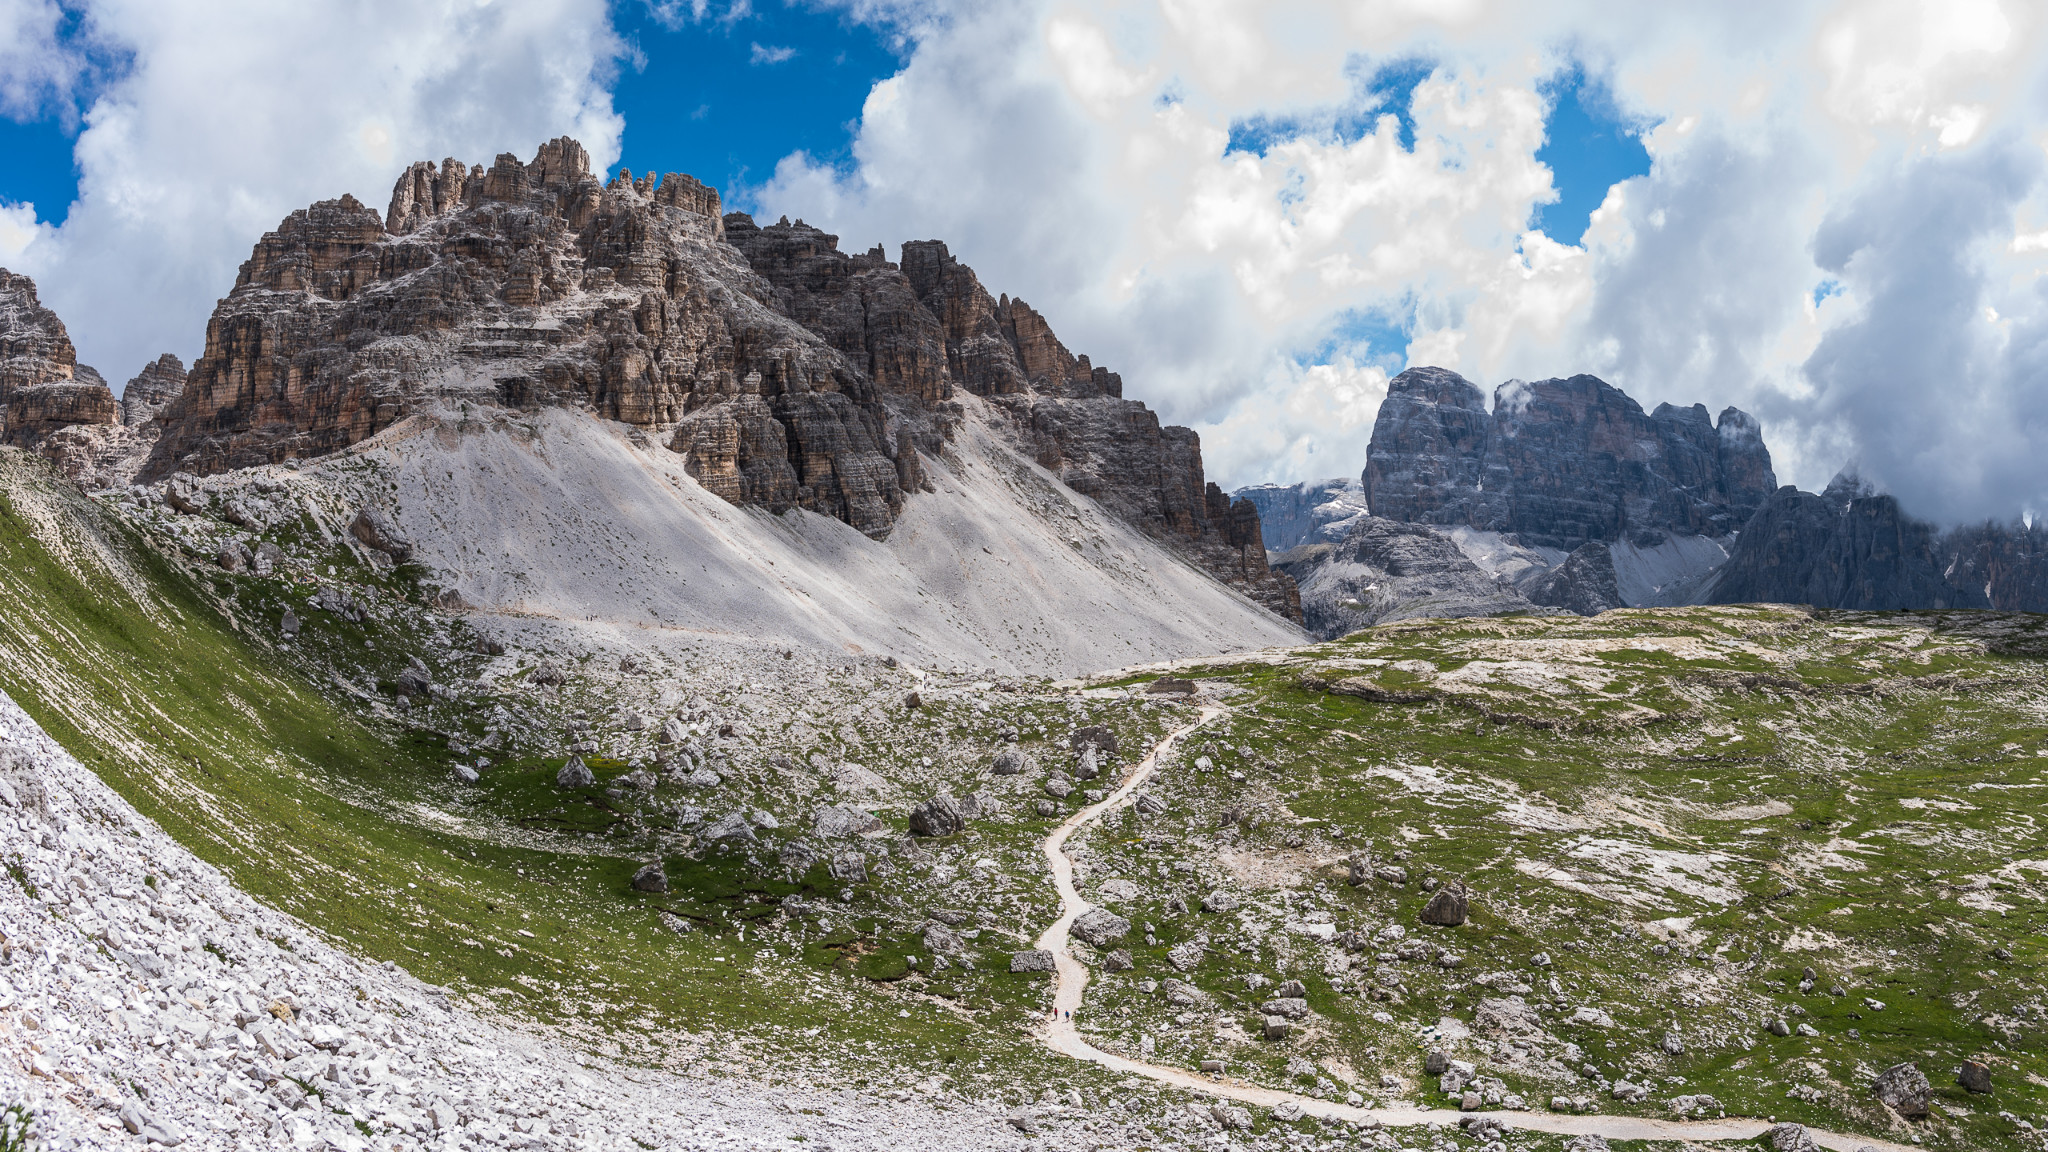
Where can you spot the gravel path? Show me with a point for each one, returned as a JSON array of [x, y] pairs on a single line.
[[1072, 982]]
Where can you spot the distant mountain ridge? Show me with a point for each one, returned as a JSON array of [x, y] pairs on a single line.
[[1567, 494]]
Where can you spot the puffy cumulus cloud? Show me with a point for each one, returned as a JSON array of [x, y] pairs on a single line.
[[40, 67], [1083, 158], [229, 114]]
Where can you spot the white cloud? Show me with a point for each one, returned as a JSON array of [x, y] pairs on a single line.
[[232, 114], [771, 54], [1075, 156], [18, 230], [39, 70]]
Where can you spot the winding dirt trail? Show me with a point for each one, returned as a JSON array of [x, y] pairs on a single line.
[[1071, 981]]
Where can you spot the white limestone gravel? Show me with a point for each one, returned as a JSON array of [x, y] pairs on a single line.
[[183, 1013]]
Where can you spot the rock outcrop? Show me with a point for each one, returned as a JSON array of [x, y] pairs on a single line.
[[1848, 547], [788, 374], [151, 391], [42, 385], [1291, 515], [927, 325], [1384, 571], [1585, 583], [1560, 462], [55, 406]]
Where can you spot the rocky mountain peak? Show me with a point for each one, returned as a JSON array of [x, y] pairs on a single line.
[[786, 373], [151, 390], [1560, 461]]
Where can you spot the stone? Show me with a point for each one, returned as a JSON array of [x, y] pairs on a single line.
[[1357, 870], [415, 680], [1629, 1092], [1183, 994], [1099, 926], [1102, 736], [1146, 804], [1586, 1142], [1219, 901], [1185, 955], [1904, 1089], [1169, 686], [1778, 1027], [464, 774], [378, 531], [1291, 988], [732, 826], [840, 821], [671, 731], [849, 868], [1276, 1028], [575, 774], [1009, 761], [289, 625], [1033, 960], [547, 675], [1584, 583], [796, 856], [1448, 906], [1117, 961], [1046, 808], [1791, 1138], [1288, 1112], [1210, 1067], [939, 816], [1435, 1062], [941, 940], [650, 878], [1058, 786], [913, 700], [1673, 1044], [1291, 1007], [1023, 1121], [1974, 1076]]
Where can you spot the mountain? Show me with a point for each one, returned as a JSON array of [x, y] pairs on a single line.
[[1560, 462], [1291, 515], [779, 372]]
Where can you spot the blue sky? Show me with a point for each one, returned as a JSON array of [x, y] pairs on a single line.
[[726, 99]]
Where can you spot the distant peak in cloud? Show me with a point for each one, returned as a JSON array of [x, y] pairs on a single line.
[[773, 54]]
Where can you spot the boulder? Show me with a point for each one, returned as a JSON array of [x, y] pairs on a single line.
[[797, 856], [1099, 926], [1058, 786], [1291, 988], [1904, 1089], [849, 868], [941, 940], [1186, 954], [1219, 901], [1034, 960], [671, 731], [289, 625], [1183, 994], [1118, 961], [939, 816], [1974, 1076], [650, 878], [1276, 1028], [1448, 907], [1791, 1138], [840, 820], [1291, 1007], [575, 774], [415, 680], [1102, 736], [375, 529], [1009, 761], [1146, 804], [547, 675]]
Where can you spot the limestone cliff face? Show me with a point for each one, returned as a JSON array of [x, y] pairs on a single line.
[[787, 373], [150, 391], [1382, 570], [42, 385], [1560, 462], [529, 284], [1291, 515], [923, 327]]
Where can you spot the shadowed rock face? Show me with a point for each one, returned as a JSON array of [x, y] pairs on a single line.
[[1560, 462], [1384, 571], [1584, 584], [1845, 548], [787, 373]]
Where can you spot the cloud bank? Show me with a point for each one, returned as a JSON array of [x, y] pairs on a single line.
[[1080, 157]]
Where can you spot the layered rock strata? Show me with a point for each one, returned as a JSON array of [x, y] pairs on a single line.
[[788, 374], [1560, 462], [55, 406]]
